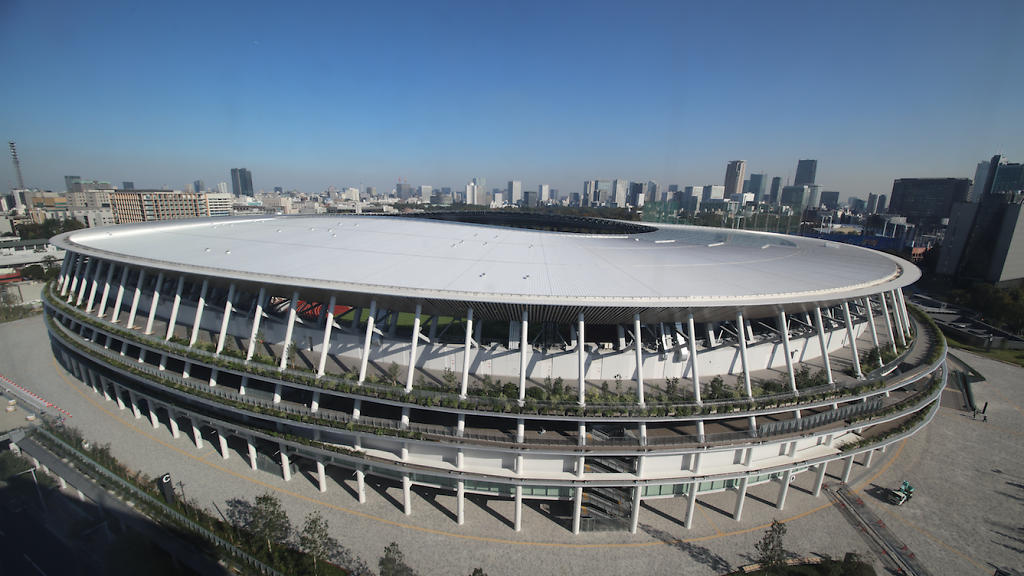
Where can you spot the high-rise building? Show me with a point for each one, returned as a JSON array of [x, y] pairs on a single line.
[[927, 201], [872, 206], [128, 185], [222, 187], [278, 190], [757, 186], [371, 191], [515, 192], [805, 172], [773, 196], [984, 241], [241, 182], [1008, 178], [653, 192], [813, 195], [602, 193], [403, 191], [543, 193], [712, 192], [69, 182], [637, 194], [734, 177], [481, 183], [984, 176], [198, 186], [619, 195], [797, 197], [474, 194], [882, 203], [830, 200], [219, 203], [426, 191]]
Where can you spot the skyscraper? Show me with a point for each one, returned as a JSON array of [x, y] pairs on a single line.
[[543, 193], [773, 196], [926, 201], [222, 187], [127, 185], [403, 191], [515, 192], [241, 182], [198, 186], [734, 177], [481, 183], [619, 193], [653, 191], [872, 207], [757, 186], [805, 171]]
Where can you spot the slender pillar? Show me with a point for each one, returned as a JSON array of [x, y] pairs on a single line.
[[741, 496], [634, 518], [903, 309], [228, 307], [174, 308], [361, 484], [102, 304], [321, 473], [366, 342], [638, 345], [466, 354], [868, 456], [460, 499], [64, 266], [135, 300], [95, 287], [520, 430], [257, 317], [691, 504], [357, 405], [135, 404], [70, 292], [821, 341], [461, 430], [116, 312], [252, 451], [213, 377], [853, 340], [407, 494], [784, 328], [277, 393], [197, 321], [871, 324], [328, 326], [577, 509], [523, 343], [286, 468], [847, 467], [518, 523], [412, 350], [289, 330], [314, 405], [780, 503], [154, 418], [692, 337], [223, 439], [118, 396], [197, 434], [819, 479], [172, 419], [888, 321], [742, 331], [154, 303], [581, 354], [85, 280], [898, 318]]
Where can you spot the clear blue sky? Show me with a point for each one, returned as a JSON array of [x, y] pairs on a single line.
[[308, 95]]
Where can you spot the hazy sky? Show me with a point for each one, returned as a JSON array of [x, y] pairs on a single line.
[[309, 95]]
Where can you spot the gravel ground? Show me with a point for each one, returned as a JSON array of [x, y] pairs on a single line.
[[968, 475]]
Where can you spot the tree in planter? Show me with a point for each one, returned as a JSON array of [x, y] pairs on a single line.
[[770, 553], [392, 563], [268, 521], [394, 373], [292, 351], [449, 379], [315, 540]]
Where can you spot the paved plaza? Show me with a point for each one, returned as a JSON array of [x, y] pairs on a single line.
[[965, 518]]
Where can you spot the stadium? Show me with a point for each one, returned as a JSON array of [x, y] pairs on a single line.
[[591, 364]]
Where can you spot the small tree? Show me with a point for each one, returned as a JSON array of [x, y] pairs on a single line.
[[392, 563], [771, 554], [316, 541], [449, 380], [478, 572], [394, 373], [268, 520]]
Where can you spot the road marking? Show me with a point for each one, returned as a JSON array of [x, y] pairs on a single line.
[[418, 528], [701, 508]]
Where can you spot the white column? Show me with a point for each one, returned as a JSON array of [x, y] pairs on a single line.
[[289, 330], [819, 479], [252, 451], [868, 457], [520, 430], [897, 318], [638, 345], [64, 266], [821, 341], [328, 326], [223, 443], [102, 304], [172, 419], [154, 418], [691, 504], [518, 523], [213, 377], [634, 518], [361, 484], [321, 473], [70, 292], [888, 321], [784, 326], [117, 395], [412, 351], [116, 313], [286, 468], [95, 286], [366, 342], [903, 309], [154, 303], [460, 499], [85, 280], [692, 337], [742, 332], [853, 340], [741, 496], [197, 434], [407, 494], [135, 300], [174, 308], [581, 356], [228, 307], [277, 393], [847, 467], [255, 324], [314, 406], [466, 354], [523, 343], [871, 325], [780, 503], [200, 306], [135, 405]]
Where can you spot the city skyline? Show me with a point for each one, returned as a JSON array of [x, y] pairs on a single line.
[[436, 95]]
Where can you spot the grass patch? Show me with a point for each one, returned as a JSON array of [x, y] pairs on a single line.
[[1010, 356]]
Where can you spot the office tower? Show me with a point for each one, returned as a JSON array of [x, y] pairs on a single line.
[[813, 195], [872, 207], [637, 194], [426, 191], [1008, 178], [797, 197], [602, 193], [474, 194], [543, 193], [712, 192], [773, 196], [278, 190], [403, 191], [241, 182], [653, 192], [574, 199], [481, 183], [689, 198], [619, 193], [189, 189], [222, 187], [984, 176], [672, 188], [983, 242], [127, 185], [529, 198], [830, 200], [69, 182], [515, 192], [371, 191], [554, 195], [882, 200], [805, 172], [757, 186], [588, 193], [734, 177], [199, 186], [926, 201]]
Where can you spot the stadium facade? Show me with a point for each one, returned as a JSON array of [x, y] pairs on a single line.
[[582, 361]]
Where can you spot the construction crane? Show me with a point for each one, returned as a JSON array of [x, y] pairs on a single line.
[[17, 165]]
